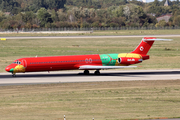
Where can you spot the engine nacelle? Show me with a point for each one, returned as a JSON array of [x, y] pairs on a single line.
[[129, 60]]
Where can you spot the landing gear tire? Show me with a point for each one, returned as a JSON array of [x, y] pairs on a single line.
[[86, 72], [14, 75], [97, 72]]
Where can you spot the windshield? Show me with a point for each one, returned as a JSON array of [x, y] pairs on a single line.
[[17, 62]]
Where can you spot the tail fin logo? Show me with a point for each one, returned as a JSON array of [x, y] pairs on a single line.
[[141, 48]]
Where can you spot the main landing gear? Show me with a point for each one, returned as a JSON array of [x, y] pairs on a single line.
[[97, 72], [86, 72]]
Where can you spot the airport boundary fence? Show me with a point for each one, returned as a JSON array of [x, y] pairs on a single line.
[[86, 29]]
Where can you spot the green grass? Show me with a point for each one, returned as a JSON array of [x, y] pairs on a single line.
[[84, 101], [163, 54]]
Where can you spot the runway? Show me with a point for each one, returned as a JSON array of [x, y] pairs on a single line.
[[78, 37], [78, 76]]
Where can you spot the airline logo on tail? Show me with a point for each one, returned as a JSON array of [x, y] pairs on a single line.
[[141, 48]]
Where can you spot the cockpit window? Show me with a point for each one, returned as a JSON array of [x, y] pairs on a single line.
[[17, 62]]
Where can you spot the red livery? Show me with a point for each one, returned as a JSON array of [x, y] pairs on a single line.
[[84, 62]]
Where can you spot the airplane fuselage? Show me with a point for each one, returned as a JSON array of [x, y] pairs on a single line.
[[73, 62], [84, 62]]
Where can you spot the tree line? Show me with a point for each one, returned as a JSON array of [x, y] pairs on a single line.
[[85, 13]]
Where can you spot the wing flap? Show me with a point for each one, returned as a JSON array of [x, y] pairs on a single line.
[[92, 67]]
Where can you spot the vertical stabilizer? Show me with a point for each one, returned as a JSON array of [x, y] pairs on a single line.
[[144, 46]]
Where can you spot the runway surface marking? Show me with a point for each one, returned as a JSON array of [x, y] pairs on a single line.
[[78, 76]]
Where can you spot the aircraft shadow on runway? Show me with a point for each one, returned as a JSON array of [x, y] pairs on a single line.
[[91, 74]]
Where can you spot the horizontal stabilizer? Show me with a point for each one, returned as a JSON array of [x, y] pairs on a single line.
[[157, 39], [92, 67]]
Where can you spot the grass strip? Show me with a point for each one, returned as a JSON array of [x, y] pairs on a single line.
[[84, 101]]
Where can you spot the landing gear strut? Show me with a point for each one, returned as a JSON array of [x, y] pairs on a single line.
[[86, 72], [97, 72]]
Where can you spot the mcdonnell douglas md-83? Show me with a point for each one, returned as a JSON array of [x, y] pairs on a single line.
[[84, 62]]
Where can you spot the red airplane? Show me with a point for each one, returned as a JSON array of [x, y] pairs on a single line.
[[83, 62]]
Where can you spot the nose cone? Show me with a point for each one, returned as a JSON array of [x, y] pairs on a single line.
[[14, 68], [10, 68], [7, 68]]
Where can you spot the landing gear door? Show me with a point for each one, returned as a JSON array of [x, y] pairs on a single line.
[[24, 63]]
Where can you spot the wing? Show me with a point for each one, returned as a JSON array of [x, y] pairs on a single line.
[[93, 67]]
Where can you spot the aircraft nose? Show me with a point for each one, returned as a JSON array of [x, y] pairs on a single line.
[[9, 69]]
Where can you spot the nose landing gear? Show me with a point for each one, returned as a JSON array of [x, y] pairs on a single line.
[[13, 75]]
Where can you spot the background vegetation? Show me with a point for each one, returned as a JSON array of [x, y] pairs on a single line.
[[85, 13]]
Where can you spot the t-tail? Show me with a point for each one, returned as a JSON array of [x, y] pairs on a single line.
[[146, 44]]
